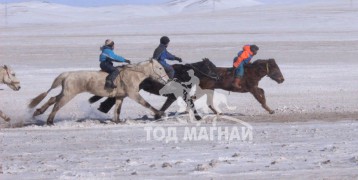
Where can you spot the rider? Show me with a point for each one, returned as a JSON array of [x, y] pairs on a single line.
[[243, 57], [106, 58], [161, 54]]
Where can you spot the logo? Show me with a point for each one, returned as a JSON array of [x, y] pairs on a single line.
[[190, 95]]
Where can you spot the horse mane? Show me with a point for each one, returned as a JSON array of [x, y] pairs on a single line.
[[261, 61], [204, 63]]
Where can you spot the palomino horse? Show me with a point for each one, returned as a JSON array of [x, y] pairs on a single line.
[[7, 76], [253, 74], [204, 68], [127, 82]]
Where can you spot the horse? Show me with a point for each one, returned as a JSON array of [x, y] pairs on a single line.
[[127, 82], [8, 77], [253, 74], [250, 82], [204, 68]]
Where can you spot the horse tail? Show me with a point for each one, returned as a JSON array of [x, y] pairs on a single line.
[[57, 82]]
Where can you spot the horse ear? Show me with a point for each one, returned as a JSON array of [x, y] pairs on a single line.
[[5, 67], [151, 60]]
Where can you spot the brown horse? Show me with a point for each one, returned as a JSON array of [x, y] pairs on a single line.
[[253, 74]]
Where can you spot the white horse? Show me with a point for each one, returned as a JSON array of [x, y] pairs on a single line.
[[7, 76], [127, 82]]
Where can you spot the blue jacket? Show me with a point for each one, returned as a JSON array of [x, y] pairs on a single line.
[[108, 54], [161, 54]]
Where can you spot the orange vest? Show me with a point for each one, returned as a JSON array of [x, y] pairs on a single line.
[[244, 55]]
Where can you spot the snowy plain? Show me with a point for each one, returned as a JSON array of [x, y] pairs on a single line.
[[311, 135]]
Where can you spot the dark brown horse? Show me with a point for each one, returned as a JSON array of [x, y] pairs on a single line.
[[253, 74]]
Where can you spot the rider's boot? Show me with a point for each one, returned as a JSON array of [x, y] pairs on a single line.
[[236, 83]]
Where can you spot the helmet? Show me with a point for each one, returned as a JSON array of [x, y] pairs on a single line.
[[164, 40], [108, 42], [254, 48]]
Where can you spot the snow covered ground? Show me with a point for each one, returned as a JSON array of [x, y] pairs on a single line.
[[312, 135]]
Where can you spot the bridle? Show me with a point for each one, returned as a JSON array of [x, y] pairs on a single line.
[[161, 76]]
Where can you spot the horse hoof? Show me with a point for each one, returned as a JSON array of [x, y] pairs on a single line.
[[272, 112], [36, 113], [120, 121], [157, 116], [198, 118], [50, 123], [7, 119]]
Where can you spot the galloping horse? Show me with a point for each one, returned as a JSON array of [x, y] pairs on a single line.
[[7, 76], [250, 82], [128, 81], [204, 68], [253, 74]]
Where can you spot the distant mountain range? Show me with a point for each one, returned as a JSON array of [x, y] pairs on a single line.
[[45, 12]]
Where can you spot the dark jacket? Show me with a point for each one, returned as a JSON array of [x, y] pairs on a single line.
[[161, 54]]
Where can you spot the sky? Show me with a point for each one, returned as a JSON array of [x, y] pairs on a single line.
[[87, 3]]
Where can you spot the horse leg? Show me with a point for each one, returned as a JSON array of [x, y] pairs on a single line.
[[107, 105], [117, 110], [60, 102], [94, 99], [138, 98], [210, 101], [190, 103], [43, 108], [259, 94], [4, 116], [168, 102]]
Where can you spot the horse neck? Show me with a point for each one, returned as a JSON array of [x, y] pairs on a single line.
[[257, 68], [141, 70]]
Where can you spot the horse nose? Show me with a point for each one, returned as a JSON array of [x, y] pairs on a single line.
[[19, 88], [282, 79]]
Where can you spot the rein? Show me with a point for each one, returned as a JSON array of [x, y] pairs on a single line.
[[267, 69]]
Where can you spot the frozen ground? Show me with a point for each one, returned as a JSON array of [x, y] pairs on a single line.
[[312, 135]]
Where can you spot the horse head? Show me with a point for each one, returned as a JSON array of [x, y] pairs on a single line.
[[10, 79], [210, 68], [273, 71], [205, 68], [157, 72]]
